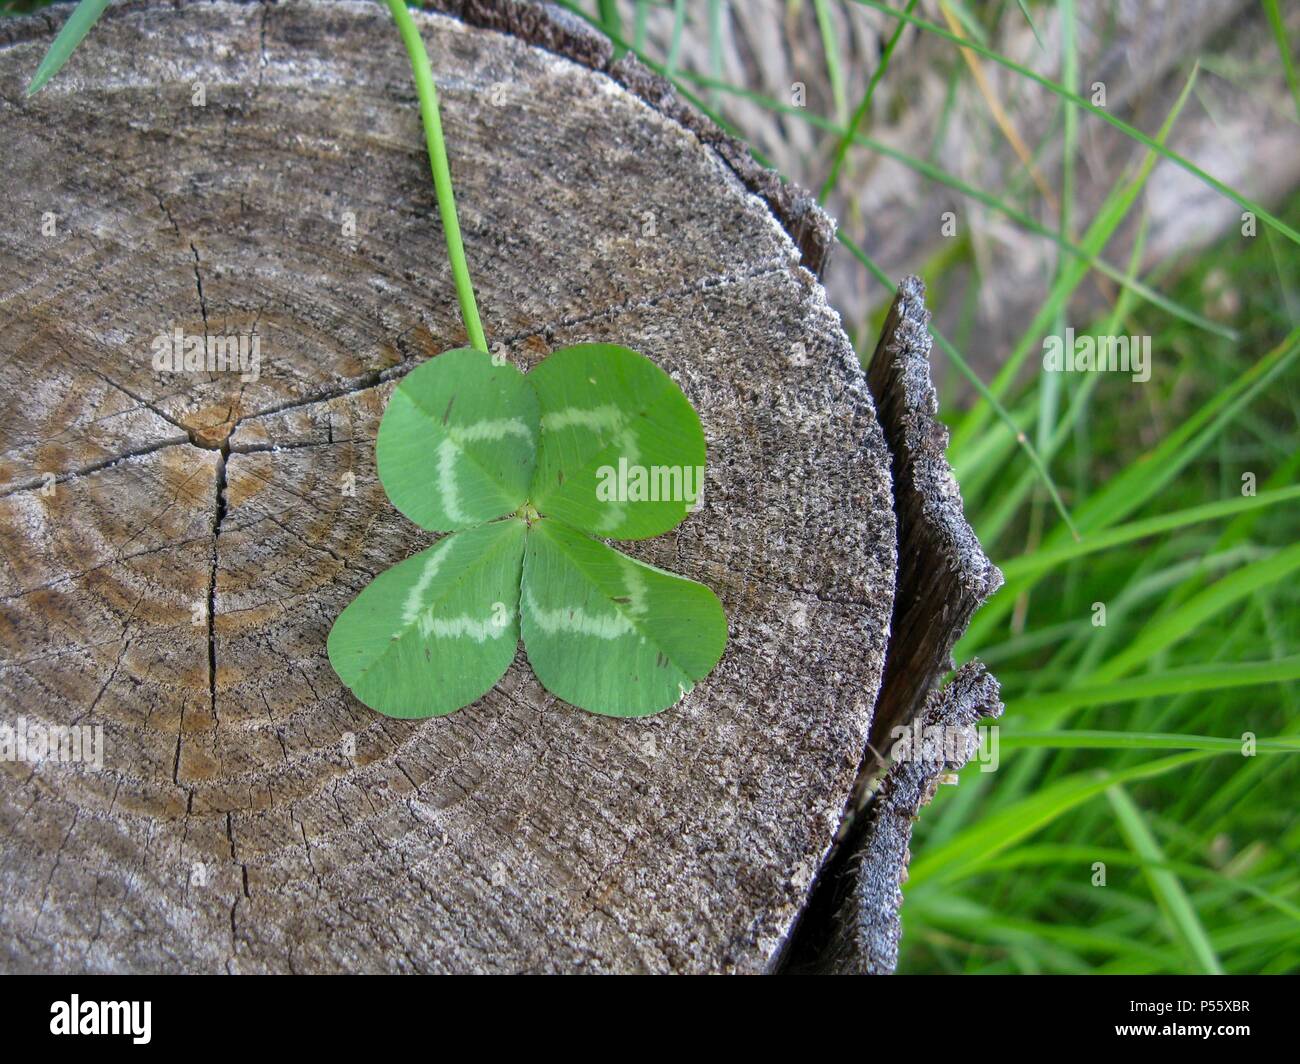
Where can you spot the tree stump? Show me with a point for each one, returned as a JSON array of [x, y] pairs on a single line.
[[177, 542]]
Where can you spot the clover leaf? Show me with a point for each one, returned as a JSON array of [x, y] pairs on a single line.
[[605, 416], [519, 470], [469, 425]]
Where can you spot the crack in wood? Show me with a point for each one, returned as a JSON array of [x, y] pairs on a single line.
[[34, 483], [219, 515]]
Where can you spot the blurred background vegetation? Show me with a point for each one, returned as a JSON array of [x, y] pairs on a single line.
[[1117, 168]]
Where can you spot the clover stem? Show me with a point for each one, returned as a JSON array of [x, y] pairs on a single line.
[[428, 94]]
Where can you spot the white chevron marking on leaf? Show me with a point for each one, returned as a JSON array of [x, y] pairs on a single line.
[[607, 417], [634, 581], [577, 620], [415, 604], [618, 511], [448, 452], [491, 429], [464, 625]]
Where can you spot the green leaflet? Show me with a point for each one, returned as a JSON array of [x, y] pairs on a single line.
[[434, 632], [610, 634], [595, 438], [622, 452], [458, 441]]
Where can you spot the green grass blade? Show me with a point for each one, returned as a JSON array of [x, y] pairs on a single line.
[[612, 22], [989, 528], [938, 175], [639, 25], [1115, 740], [1042, 560], [1057, 854], [967, 851], [1199, 609], [1024, 10], [1113, 211], [76, 28], [847, 136], [715, 44], [1070, 116], [1241, 526], [1143, 479], [1046, 945], [1165, 884], [831, 48], [675, 44], [1284, 48]]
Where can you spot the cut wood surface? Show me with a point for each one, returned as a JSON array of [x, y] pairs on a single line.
[[178, 543]]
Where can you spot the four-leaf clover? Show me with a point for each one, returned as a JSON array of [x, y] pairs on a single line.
[[524, 471]]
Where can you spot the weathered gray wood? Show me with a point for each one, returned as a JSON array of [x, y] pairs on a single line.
[[231, 828], [942, 569], [866, 927], [851, 923]]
